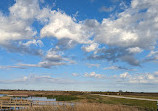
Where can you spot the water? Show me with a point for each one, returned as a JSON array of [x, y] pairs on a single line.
[[35, 98], [1, 95], [51, 101]]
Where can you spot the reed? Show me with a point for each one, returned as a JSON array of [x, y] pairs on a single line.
[[84, 107]]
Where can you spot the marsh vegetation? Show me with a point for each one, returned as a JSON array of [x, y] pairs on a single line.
[[85, 107], [89, 101]]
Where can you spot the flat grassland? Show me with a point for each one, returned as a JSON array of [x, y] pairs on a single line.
[[89, 102]]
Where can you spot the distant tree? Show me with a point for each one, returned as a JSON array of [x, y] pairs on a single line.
[[120, 91]]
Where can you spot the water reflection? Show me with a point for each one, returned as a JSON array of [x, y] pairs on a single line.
[[1, 95], [35, 98]]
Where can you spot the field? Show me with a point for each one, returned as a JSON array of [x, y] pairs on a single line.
[[87, 101]]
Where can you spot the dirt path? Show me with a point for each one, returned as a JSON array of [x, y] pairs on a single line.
[[127, 97]]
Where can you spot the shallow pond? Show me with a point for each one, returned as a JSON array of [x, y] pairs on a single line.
[[35, 98], [1, 95]]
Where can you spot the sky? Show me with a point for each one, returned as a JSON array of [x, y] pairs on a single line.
[[81, 45]]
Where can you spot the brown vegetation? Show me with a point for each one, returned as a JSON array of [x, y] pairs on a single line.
[[41, 93], [85, 107]]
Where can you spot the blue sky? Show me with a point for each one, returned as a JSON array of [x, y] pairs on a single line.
[[86, 45]]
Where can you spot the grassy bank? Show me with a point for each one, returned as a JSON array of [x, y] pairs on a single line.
[[145, 105]]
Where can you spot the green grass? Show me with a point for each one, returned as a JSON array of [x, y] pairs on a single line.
[[63, 97], [146, 105]]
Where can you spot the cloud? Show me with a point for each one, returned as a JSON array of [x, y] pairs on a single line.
[[8, 67], [152, 53], [90, 48], [44, 64], [33, 42], [134, 50], [9, 33], [52, 55], [114, 54], [94, 75], [75, 74], [65, 43], [93, 65], [111, 68], [151, 57], [21, 16], [111, 54], [124, 75], [25, 9], [19, 47], [17, 27], [63, 26], [134, 27], [131, 32], [118, 68], [52, 58], [130, 60], [143, 78], [106, 9], [123, 4], [34, 79], [140, 78]]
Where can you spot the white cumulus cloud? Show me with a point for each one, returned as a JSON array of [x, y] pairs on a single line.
[[94, 75], [90, 47], [63, 26]]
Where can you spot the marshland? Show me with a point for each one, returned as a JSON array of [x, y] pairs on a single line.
[[84, 101]]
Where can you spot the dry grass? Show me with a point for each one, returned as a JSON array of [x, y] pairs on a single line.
[[4, 98], [40, 93], [85, 107]]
